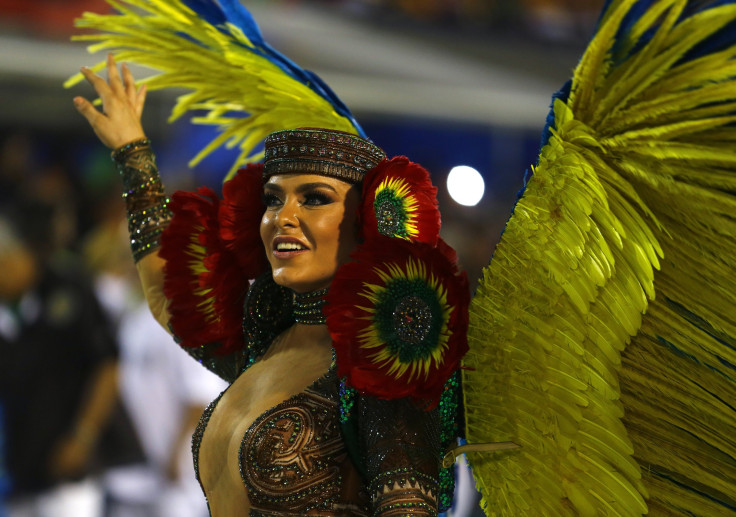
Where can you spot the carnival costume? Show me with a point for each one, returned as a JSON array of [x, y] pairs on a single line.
[[602, 334]]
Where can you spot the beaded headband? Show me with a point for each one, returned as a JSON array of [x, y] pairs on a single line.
[[320, 151]]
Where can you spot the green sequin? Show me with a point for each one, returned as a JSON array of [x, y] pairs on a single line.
[[449, 431], [390, 214], [347, 401]]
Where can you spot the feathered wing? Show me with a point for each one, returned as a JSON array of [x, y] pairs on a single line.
[[215, 49], [603, 332]]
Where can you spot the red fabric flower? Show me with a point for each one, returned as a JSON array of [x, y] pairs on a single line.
[[399, 200], [202, 279], [240, 216], [398, 317]]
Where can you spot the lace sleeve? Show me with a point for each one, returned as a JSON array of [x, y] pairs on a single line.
[[402, 454]]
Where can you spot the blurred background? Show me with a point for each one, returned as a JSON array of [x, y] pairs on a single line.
[[458, 86]]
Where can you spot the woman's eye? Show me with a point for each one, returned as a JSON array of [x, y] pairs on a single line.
[[316, 199], [270, 200]]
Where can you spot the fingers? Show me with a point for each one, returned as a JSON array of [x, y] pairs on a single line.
[[122, 105], [140, 100], [129, 84], [113, 77], [87, 110], [136, 97], [97, 82]]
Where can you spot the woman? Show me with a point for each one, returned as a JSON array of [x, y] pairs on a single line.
[[283, 429], [593, 342]]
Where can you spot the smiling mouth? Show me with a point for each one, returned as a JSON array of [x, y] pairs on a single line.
[[289, 246]]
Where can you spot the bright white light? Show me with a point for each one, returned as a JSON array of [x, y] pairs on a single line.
[[466, 185]]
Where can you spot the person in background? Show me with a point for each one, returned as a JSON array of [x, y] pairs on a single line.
[[162, 389], [59, 370]]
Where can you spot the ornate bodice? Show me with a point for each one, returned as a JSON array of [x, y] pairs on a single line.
[[293, 460]]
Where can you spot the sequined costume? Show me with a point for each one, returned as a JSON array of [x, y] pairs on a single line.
[[302, 456], [602, 332], [294, 461]]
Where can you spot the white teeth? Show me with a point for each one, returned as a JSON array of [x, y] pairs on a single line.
[[288, 246]]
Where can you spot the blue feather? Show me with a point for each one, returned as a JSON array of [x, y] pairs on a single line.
[[635, 13], [218, 13], [241, 17], [563, 94], [207, 10], [720, 40]]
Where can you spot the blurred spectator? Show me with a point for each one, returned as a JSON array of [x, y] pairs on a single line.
[[163, 388], [15, 155], [166, 392], [58, 382]]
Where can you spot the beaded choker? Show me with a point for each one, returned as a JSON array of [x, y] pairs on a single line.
[[308, 307]]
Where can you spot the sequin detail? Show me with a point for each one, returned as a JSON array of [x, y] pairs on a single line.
[[347, 401], [268, 312], [401, 440], [119, 154], [290, 457], [391, 216], [319, 151], [412, 319], [402, 477], [305, 429], [308, 307], [450, 413], [146, 205]]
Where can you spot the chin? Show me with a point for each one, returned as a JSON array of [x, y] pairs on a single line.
[[300, 285]]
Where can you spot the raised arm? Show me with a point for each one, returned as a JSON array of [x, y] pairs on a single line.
[[118, 126]]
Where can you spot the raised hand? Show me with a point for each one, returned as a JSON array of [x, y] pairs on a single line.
[[119, 122]]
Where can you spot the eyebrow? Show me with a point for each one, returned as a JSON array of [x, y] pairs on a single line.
[[304, 187]]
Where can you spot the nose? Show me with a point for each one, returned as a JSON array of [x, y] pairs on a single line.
[[287, 215]]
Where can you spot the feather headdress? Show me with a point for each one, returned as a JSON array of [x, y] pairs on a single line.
[[215, 49]]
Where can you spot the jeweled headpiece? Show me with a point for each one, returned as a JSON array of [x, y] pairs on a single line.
[[320, 151]]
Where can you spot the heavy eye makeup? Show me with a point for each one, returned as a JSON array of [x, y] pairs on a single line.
[[316, 198], [309, 196]]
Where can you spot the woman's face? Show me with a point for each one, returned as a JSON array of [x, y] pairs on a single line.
[[308, 229]]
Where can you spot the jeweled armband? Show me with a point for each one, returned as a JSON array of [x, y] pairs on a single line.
[[404, 491], [145, 201]]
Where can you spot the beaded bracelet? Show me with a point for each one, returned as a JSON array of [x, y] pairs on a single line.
[[145, 201], [120, 153]]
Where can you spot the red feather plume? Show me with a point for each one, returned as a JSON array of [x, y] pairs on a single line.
[[240, 216], [203, 282]]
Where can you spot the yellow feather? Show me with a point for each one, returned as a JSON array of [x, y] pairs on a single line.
[[223, 76], [616, 273]]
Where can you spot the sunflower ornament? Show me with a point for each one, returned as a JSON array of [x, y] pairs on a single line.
[[398, 318], [400, 201]]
